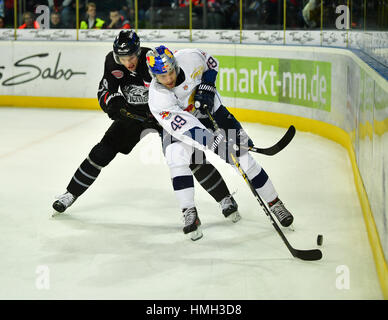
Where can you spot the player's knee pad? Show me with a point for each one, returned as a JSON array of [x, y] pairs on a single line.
[[102, 154]]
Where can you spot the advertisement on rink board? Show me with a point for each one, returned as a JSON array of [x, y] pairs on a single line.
[[55, 69], [33, 67], [298, 82]]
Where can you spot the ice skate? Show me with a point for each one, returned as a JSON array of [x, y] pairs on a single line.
[[192, 223], [281, 213], [64, 201], [230, 209]]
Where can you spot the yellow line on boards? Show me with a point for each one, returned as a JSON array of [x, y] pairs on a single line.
[[49, 102]]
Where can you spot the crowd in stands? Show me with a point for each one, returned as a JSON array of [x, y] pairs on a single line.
[[109, 14], [209, 14]]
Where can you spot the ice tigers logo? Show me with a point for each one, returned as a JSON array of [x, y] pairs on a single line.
[[136, 94]]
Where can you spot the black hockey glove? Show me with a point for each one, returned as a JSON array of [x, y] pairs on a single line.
[[114, 103], [204, 97]]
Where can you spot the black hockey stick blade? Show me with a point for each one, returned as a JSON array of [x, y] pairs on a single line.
[[307, 255], [279, 146]]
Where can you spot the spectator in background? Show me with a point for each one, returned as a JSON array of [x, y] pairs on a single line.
[[67, 10], [29, 21], [274, 13], [105, 6], [231, 13], [293, 7], [311, 14], [128, 11], [55, 21], [186, 3], [8, 12], [215, 15], [2, 8], [55, 5], [2, 24], [117, 21], [142, 7], [91, 21]]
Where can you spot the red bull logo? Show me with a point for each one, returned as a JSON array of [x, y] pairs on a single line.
[[168, 53], [165, 115], [151, 61]]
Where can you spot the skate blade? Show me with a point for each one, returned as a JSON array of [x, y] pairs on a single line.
[[55, 214], [196, 235], [234, 217], [291, 227]]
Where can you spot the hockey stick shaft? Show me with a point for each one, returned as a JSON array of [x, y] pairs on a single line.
[[127, 114], [309, 255]]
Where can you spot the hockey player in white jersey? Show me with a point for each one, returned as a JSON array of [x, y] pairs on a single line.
[[181, 94]]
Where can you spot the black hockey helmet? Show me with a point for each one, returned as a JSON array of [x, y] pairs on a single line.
[[126, 43]]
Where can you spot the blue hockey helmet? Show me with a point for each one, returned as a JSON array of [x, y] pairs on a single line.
[[161, 60]]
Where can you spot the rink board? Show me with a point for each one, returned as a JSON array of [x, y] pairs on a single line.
[[327, 91]]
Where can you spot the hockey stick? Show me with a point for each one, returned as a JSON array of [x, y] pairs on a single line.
[[279, 146], [270, 151], [127, 114], [308, 255]]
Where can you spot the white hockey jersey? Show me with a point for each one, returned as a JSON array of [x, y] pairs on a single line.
[[174, 108]]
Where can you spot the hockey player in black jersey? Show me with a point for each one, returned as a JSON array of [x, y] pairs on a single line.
[[126, 70]]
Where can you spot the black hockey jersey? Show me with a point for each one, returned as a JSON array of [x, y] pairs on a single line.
[[133, 85]]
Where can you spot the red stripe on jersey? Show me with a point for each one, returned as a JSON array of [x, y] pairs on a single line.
[[106, 95]]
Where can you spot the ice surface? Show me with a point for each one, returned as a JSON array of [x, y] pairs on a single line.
[[122, 239]]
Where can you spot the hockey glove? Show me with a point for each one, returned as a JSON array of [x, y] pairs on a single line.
[[114, 103], [204, 97]]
